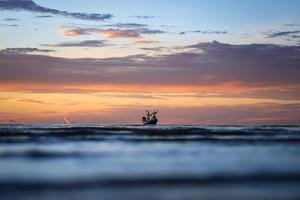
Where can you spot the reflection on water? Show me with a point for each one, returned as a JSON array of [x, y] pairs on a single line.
[[138, 162]]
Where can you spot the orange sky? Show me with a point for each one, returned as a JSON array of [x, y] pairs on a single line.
[[125, 104]]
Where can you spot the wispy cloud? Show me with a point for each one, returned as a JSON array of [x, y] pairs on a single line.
[[111, 32], [127, 25], [118, 33], [133, 96], [295, 36], [281, 33], [44, 16], [33, 101], [29, 5], [24, 50], [85, 43], [144, 41], [10, 19], [143, 16], [291, 25], [204, 32], [72, 32], [9, 25], [155, 49]]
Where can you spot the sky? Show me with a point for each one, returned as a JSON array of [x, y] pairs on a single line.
[[106, 62]]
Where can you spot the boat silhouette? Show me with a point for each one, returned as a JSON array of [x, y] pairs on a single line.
[[150, 118]]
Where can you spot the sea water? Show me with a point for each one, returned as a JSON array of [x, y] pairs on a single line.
[[149, 162]]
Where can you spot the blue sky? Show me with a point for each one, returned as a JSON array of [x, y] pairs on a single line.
[[214, 11], [245, 21]]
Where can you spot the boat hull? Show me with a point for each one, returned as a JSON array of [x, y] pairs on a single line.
[[151, 122]]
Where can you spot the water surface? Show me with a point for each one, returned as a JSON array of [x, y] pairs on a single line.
[[149, 162]]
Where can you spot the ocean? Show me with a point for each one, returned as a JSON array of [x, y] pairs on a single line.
[[111, 162]]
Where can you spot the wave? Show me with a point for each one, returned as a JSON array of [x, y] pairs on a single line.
[[141, 181], [19, 133]]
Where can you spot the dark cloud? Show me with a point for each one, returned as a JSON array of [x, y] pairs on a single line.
[[150, 31], [43, 16], [85, 43], [251, 64], [29, 5], [211, 64], [281, 34], [24, 50]]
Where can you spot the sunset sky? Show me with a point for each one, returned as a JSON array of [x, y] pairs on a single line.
[[106, 62]]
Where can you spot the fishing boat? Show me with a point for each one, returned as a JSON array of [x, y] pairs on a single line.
[[150, 118]]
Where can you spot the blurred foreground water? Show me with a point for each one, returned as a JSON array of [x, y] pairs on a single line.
[[48, 162]]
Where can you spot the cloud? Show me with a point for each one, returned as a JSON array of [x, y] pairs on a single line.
[[29, 5], [144, 41], [77, 31], [33, 101], [9, 25], [44, 16], [133, 96], [129, 33], [85, 43], [151, 31], [204, 32], [118, 33], [6, 98], [24, 50], [127, 25], [143, 16], [155, 49], [281, 33], [295, 36], [211, 32], [292, 25], [209, 67], [10, 19], [111, 32]]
